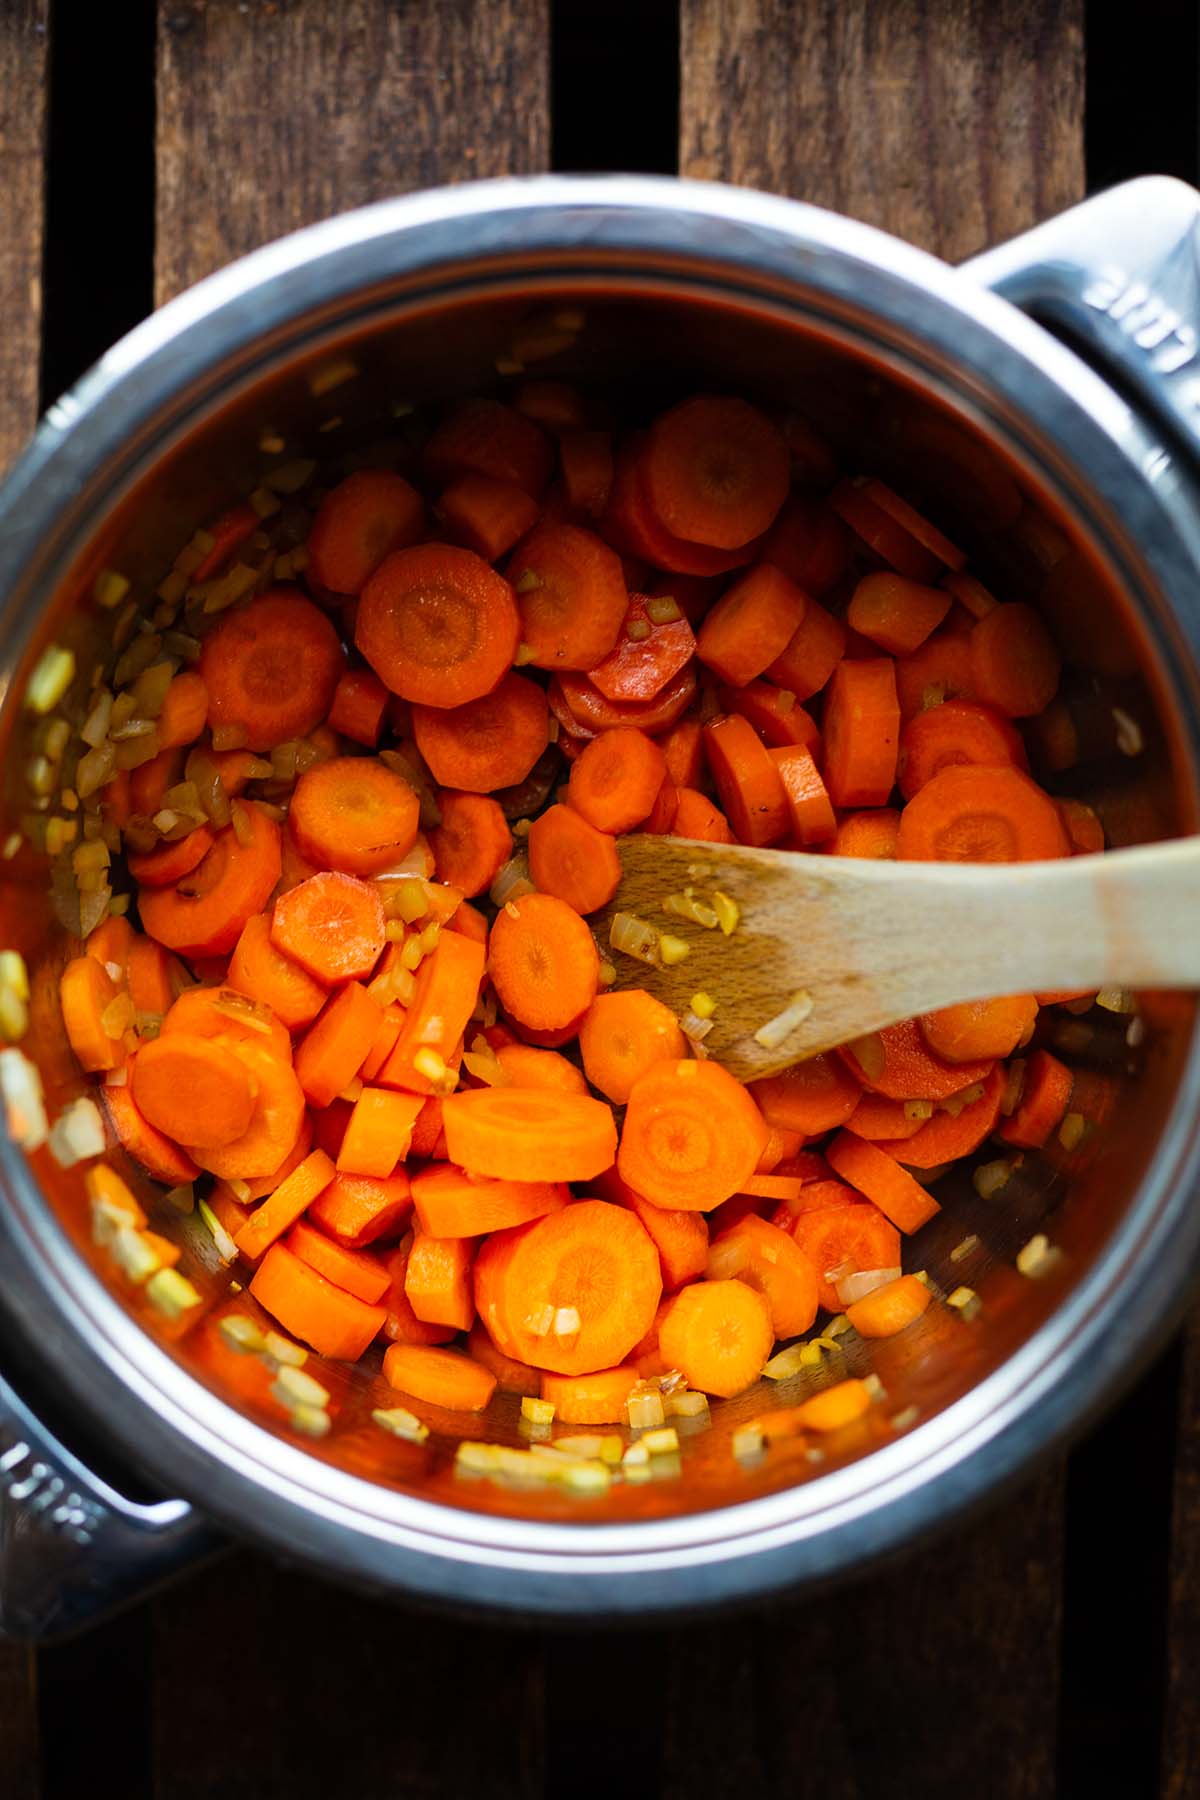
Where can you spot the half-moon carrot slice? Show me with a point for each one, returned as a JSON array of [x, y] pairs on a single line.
[[692, 1136], [529, 1134], [749, 788], [203, 914], [271, 669], [874, 1173], [949, 1135], [193, 1087], [595, 1399], [358, 1271], [437, 625], [451, 1204], [861, 732], [170, 861], [354, 814], [572, 1292]]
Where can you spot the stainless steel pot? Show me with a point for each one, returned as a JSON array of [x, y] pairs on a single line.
[[1074, 485]]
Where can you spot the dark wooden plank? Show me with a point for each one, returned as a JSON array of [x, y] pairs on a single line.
[[273, 115], [954, 125], [1181, 1735], [269, 1684], [22, 174]]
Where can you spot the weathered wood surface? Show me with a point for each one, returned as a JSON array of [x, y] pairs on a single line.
[[273, 116], [23, 46], [953, 125]]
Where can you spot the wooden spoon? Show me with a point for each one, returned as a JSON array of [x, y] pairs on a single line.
[[870, 943]]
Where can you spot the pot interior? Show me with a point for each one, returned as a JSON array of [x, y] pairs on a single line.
[[364, 390]]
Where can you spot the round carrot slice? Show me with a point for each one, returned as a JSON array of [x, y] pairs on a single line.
[[437, 625], [767, 1259], [571, 597], [692, 1136], [490, 743], [193, 1087], [572, 1292], [717, 471], [439, 1377], [971, 814], [271, 669], [718, 1334], [354, 814], [262, 972], [158, 1155], [333, 925], [844, 1239], [898, 1063], [203, 914], [171, 861], [225, 1012], [543, 961], [957, 731], [810, 1097], [274, 1122], [365, 518], [596, 1399]]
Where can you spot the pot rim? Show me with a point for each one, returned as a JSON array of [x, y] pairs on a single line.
[[779, 257]]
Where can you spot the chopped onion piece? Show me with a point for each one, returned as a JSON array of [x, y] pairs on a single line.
[[51, 677], [966, 1301], [694, 1028], [964, 1249], [1130, 741], [297, 1388], [632, 936], [241, 1333], [77, 1134], [1038, 1255], [728, 912], [661, 609], [313, 1421], [282, 1350], [688, 1405], [538, 1412], [172, 1293], [990, 1178], [225, 1247], [401, 1423], [672, 950], [512, 882], [1116, 1000], [852, 1288], [644, 1407], [777, 1030], [748, 1442], [687, 906], [1072, 1131]]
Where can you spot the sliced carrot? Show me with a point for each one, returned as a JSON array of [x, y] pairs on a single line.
[[683, 748], [648, 653], [359, 706], [861, 733], [86, 991], [615, 781], [844, 1239], [771, 1262], [379, 1132], [572, 1292], [223, 1013], [889, 1309], [692, 594], [282, 1208], [363, 519], [969, 592], [571, 860], [444, 996], [184, 712], [358, 1271], [939, 670], [451, 1204], [438, 1280], [472, 842], [809, 543], [274, 1123], [774, 714], [809, 809], [595, 1399], [625, 1034], [335, 1047], [748, 783], [818, 1193], [586, 459], [810, 654], [313, 1309], [874, 1173], [360, 1209], [878, 1118], [111, 942], [354, 814], [259, 1186], [696, 817], [780, 1145], [160, 1158], [898, 1062], [661, 817], [401, 1324], [977, 1029], [512, 1377], [1082, 826], [630, 522], [444, 1378], [871, 834], [528, 1067], [716, 470], [571, 596], [203, 914], [646, 1355], [227, 532], [491, 743], [751, 625], [692, 1136], [437, 625], [149, 782], [194, 1088], [681, 1238], [527, 1134], [271, 669], [228, 1211], [469, 922], [951, 1134], [958, 731], [896, 613], [172, 860], [835, 1408], [810, 1097], [583, 711], [486, 515], [333, 925], [856, 501], [543, 962], [258, 969], [485, 437], [972, 814], [1015, 666], [719, 1335], [1045, 1097]]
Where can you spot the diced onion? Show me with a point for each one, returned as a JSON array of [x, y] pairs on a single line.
[[990, 1178], [224, 1245], [632, 936], [77, 1134], [400, 1423], [776, 1031], [512, 882], [862, 1282]]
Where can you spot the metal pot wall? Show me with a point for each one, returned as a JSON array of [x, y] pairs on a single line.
[[1074, 485]]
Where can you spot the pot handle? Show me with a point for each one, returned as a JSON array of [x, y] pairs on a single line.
[[1119, 275], [71, 1547]]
